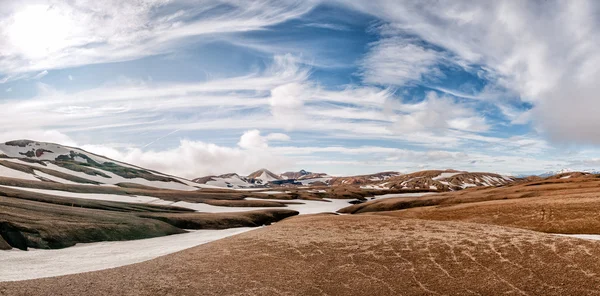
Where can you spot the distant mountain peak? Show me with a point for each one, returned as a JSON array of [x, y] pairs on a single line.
[[567, 170], [263, 176]]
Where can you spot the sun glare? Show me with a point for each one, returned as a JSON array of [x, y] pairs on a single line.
[[39, 30]]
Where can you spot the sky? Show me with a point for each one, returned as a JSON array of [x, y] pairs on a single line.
[[195, 88]]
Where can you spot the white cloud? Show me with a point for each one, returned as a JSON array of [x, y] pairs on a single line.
[[207, 159], [47, 34], [545, 52], [40, 75], [438, 114], [9, 89], [278, 137], [397, 61], [252, 139], [287, 103], [52, 136]]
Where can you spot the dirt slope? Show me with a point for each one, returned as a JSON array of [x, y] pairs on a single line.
[[353, 255], [552, 205]]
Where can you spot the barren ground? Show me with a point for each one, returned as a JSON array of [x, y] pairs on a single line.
[[353, 255], [555, 206]]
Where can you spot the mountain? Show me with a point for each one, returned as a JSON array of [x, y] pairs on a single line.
[[567, 170], [263, 176], [363, 179], [295, 175], [40, 161], [448, 180], [232, 180]]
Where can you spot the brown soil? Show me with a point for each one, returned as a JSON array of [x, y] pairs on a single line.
[[222, 220], [30, 224], [353, 255], [35, 220], [552, 205]]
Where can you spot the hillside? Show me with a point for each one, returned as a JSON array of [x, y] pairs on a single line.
[[53, 196], [303, 175], [554, 205], [232, 180], [30, 160], [448, 180]]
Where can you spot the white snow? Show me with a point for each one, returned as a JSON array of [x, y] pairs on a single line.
[[114, 179], [445, 175], [566, 177], [97, 196], [235, 181], [266, 177], [97, 256], [313, 180], [10, 173], [583, 236], [54, 178]]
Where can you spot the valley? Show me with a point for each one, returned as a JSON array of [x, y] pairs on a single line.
[[104, 219]]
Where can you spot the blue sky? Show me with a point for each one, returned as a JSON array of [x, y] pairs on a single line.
[[345, 87]]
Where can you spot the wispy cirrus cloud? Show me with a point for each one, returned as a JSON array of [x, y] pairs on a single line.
[[544, 52], [399, 60], [41, 35]]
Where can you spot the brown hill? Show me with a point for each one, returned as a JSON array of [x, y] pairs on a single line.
[[447, 180], [353, 255], [550, 205]]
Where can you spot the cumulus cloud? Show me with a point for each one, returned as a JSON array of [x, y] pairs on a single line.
[[193, 159], [252, 139]]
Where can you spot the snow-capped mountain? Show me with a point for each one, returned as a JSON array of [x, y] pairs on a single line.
[[302, 175], [447, 180], [263, 176], [40, 161], [232, 180], [295, 175], [364, 179], [568, 170]]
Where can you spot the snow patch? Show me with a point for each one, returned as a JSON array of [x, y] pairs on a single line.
[[97, 256], [445, 175]]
